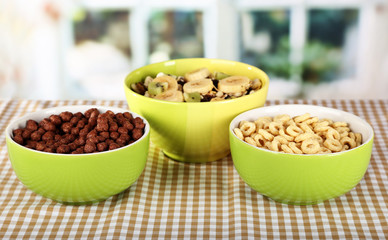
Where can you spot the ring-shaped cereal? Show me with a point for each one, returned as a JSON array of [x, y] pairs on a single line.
[[343, 131], [262, 123], [352, 136], [282, 118], [250, 141], [275, 145], [304, 136], [242, 123], [294, 131], [310, 146], [321, 128], [310, 121], [348, 141], [267, 145], [248, 128], [290, 123], [266, 134], [328, 120], [306, 128], [320, 123], [324, 150], [238, 133], [333, 134], [339, 124], [285, 135], [302, 118], [260, 140], [333, 145], [294, 148], [281, 139], [274, 127], [345, 147], [358, 138], [286, 148]]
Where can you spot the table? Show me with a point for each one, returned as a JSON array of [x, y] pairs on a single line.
[[181, 200]]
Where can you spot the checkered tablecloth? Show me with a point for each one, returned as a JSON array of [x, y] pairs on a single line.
[[196, 201]]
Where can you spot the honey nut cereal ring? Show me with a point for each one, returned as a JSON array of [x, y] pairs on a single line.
[[282, 118], [262, 123], [319, 138], [320, 123], [304, 136], [348, 141], [325, 150], [274, 127], [333, 134], [266, 134], [305, 127], [248, 128], [302, 118], [242, 123], [358, 138], [345, 147], [267, 145], [275, 145], [352, 135], [290, 123], [286, 148], [328, 120], [339, 124], [250, 141], [310, 146], [320, 128], [343, 131], [281, 139], [260, 140], [238, 133], [285, 135], [294, 131], [311, 120], [294, 148], [333, 145]]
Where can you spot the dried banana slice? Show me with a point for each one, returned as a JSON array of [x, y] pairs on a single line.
[[202, 86], [234, 84], [197, 74], [172, 83], [172, 95]]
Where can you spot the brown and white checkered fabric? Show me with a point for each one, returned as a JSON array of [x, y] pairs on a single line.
[[198, 201]]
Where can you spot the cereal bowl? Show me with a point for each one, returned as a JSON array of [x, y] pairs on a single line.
[[193, 131], [301, 178], [77, 178]]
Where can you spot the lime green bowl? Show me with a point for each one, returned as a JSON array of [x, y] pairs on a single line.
[[77, 178], [193, 131], [297, 178]]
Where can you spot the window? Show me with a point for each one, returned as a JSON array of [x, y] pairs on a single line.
[[329, 53], [175, 34], [265, 41]]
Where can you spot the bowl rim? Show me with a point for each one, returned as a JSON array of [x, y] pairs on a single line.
[[172, 61], [359, 119], [46, 112]]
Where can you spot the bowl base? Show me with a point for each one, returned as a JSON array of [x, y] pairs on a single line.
[[296, 203], [179, 158]]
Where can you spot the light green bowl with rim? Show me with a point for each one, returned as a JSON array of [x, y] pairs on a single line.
[[297, 178], [77, 178], [193, 131]]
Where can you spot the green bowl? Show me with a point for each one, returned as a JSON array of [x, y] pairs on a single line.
[[297, 178], [193, 131], [77, 178]]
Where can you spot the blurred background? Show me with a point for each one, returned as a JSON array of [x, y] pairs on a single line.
[[83, 49]]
